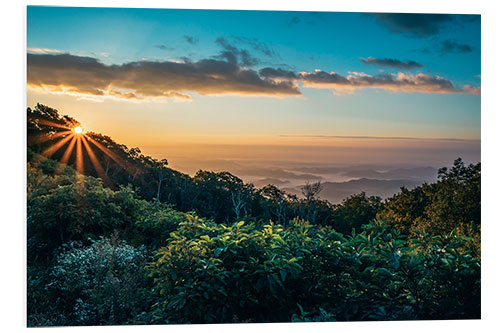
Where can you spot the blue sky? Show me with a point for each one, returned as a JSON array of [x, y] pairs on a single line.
[[303, 40], [432, 64]]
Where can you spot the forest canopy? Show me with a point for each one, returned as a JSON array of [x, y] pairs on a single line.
[[118, 237]]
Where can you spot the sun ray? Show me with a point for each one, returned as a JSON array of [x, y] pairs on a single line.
[[64, 160], [93, 159], [79, 155], [55, 147], [108, 152], [50, 123], [44, 137]]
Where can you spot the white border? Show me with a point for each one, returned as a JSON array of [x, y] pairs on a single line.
[[13, 21]]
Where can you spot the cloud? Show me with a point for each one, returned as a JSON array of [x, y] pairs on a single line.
[[164, 47], [42, 50], [415, 25], [191, 39], [400, 82], [452, 46], [277, 73], [66, 73], [234, 55], [409, 64], [256, 45], [88, 77]]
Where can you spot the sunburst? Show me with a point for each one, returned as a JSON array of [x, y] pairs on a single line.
[[74, 137]]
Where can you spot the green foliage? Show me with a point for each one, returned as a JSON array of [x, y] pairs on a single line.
[[451, 204], [65, 208], [155, 223], [99, 284], [212, 273], [355, 211], [204, 249]]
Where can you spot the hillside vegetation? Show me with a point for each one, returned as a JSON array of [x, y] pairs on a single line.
[[128, 240]]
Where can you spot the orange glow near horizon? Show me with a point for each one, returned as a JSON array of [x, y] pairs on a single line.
[[81, 140]]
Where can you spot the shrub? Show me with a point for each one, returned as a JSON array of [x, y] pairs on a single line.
[[100, 284], [211, 273]]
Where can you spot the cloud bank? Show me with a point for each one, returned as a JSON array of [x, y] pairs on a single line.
[[400, 82], [138, 80], [226, 74]]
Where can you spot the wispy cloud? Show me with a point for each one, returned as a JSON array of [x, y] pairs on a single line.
[[257, 45], [43, 50], [234, 55], [164, 47], [395, 63], [191, 39], [452, 46]]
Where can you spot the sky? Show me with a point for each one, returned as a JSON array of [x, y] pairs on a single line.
[[284, 88]]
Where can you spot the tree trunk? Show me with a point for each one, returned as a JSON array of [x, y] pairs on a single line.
[[158, 192]]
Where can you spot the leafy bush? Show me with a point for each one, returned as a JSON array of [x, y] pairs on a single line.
[[154, 224], [212, 273], [99, 284]]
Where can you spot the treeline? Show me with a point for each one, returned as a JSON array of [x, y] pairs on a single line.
[[142, 243]]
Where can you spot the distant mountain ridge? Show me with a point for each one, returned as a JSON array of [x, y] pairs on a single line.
[[335, 192], [418, 173]]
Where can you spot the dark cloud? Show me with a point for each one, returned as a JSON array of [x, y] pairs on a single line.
[[452, 46], [138, 80], [447, 46], [409, 83], [320, 77], [191, 39], [386, 62], [416, 25], [164, 47], [277, 73], [234, 55]]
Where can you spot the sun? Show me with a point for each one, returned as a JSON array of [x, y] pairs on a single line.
[[74, 137]]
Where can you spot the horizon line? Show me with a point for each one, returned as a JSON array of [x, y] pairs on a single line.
[[372, 137]]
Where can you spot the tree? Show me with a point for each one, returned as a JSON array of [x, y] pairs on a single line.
[[453, 203], [310, 191], [355, 211], [160, 168]]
